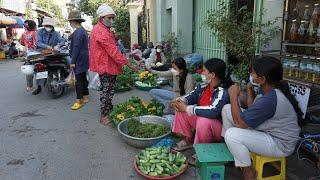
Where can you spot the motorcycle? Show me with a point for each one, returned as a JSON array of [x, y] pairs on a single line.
[[52, 68]]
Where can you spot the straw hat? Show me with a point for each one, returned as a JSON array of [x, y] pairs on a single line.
[[75, 15], [48, 22]]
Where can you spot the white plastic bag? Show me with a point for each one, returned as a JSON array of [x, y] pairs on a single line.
[[71, 79], [95, 84]]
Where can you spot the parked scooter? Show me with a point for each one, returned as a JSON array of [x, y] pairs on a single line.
[[53, 67]]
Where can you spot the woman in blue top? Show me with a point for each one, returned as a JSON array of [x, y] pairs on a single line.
[[269, 126], [80, 58]]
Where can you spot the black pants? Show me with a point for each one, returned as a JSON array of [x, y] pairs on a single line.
[[82, 85]]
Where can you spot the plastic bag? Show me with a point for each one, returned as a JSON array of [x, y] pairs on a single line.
[[95, 83], [71, 79]]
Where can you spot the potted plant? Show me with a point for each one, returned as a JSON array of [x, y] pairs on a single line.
[[241, 36]]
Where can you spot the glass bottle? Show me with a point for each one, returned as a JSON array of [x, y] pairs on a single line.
[[303, 74], [310, 71], [316, 72], [310, 39], [306, 13], [295, 12], [286, 68], [315, 15], [293, 36], [301, 37]]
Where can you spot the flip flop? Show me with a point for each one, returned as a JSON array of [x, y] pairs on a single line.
[[182, 146], [105, 121], [192, 160]]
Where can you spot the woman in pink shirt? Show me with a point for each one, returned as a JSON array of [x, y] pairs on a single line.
[[28, 40]]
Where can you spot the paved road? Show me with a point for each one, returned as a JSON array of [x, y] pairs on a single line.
[[41, 138]]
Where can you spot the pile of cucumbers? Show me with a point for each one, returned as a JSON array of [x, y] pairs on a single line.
[[161, 162]]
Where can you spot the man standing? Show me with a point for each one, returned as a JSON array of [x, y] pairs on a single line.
[[105, 58]]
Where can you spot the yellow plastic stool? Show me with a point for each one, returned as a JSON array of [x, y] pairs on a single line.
[[259, 161]]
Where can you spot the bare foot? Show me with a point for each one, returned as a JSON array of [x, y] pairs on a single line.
[[105, 121], [249, 173]]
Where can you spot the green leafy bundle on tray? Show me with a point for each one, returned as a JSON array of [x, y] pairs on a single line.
[[124, 80], [135, 107], [160, 162], [146, 130]]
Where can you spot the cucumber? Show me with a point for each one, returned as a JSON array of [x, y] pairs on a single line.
[[170, 157], [143, 171], [159, 167], [152, 174], [154, 152], [164, 161], [154, 161], [143, 161], [152, 167], [182, 167]]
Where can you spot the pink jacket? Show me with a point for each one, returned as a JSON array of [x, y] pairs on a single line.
[[104, 55]]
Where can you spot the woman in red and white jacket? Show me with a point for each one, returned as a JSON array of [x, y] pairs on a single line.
[[105, 58]]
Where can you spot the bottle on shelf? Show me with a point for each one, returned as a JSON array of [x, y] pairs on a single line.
[[294, 69], [315, 15], [303, 73], [310, 39], [301, 37], [310, 71], [316, 72], [286, 67], [306, 13], [295, 12], [293, 36]]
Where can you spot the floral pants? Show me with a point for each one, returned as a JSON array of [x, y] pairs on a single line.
[[107, 92]]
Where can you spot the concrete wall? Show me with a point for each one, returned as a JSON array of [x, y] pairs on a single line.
[[151, 7], [175, 16]]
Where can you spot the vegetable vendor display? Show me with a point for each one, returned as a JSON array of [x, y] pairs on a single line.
[[124, 80], [135, 107], [160, 162], [146, 130], [146, 79]]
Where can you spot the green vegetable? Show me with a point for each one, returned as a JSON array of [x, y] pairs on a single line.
[[152, 174], [152, 167], [146, 130]]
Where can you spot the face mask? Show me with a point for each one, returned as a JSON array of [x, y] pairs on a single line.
[[174, 72], [108, 23], [253, 83], [48, 29], [158, 50], [204, 79]]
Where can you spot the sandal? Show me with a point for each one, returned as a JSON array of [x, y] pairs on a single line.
[[85, 99], [76, 106], [182, 146], [105, 121], [192, 160]]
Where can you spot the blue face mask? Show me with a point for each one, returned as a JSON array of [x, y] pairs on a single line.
[[108, 22]]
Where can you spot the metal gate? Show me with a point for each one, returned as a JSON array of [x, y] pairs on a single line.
[[204, 41]]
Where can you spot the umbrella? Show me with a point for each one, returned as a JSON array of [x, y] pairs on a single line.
[[4, 20], [19, 22]]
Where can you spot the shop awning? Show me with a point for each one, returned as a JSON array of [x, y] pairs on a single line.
[[43, 12], [5, 20], [19, 24]]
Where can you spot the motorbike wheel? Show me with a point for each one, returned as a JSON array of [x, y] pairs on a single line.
[[55, 90]]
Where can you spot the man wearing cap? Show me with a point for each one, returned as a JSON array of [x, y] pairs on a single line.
[[47, 38], [105, 58]]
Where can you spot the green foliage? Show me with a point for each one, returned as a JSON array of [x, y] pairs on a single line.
[[240, 33], [53, 8], [170, 46], [122, 21]]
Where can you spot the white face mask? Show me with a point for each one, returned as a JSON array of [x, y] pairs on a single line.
[[253, 83], [174, 72], [48, 29], [158, 50], [204, 79]]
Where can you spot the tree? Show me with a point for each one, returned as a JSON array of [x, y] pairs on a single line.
[[55, 9], [122, 22], [239, 34]]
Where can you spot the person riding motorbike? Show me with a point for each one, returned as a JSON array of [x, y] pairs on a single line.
[[47, 38]]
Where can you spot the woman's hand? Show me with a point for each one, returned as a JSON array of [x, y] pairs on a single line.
[[181, 106], [234, 91], [132, 67], [72, 66]]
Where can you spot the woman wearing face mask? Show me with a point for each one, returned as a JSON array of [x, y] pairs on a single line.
[[80, 58], [201, 109], [269, 126], [183, 83], [157, 57], [47, 38], [106, 59], [136, 53]]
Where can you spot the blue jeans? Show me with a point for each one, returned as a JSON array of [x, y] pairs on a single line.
[[164, 97]]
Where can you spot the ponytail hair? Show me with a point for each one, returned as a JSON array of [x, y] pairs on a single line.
[[271, 69], [219, 67], [182, 66]]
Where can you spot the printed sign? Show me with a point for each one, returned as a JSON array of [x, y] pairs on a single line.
[[302, 94]]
